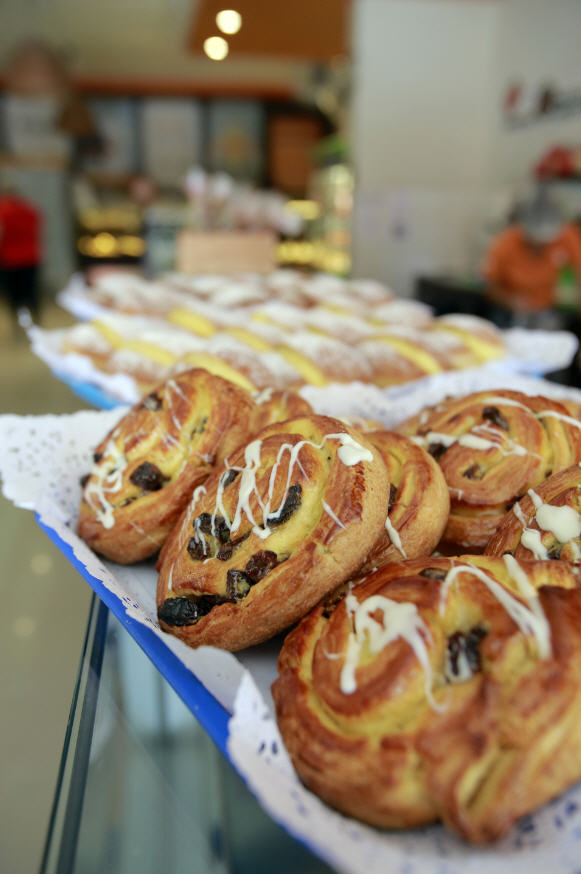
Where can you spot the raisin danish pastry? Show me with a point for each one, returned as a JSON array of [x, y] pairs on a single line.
[[287, 519], [147, 467], [419, 503], [492, 446], [438, 689], [277, 405], [546, 523]]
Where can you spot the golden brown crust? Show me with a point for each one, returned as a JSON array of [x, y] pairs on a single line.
[[276, 406], [562, 540], [419, 503], [267, 539], [492, 446], [147, 467], [482, 732]]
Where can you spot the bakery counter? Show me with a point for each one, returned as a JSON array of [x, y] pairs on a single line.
[[142, 787]]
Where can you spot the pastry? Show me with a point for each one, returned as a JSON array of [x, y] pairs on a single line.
[[416, 346], [389, 366], [482, 336], [438, 688], [284, 521], [419, 503], [492, 446], [276, 406], [545, 523], [146, 468], [321, 360]]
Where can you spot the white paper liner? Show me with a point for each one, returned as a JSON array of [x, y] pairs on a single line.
[[41, 461], [530, 352], [46, 345]]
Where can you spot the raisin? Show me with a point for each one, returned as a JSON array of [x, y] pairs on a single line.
[[472, 472], [187, 611], [468, 645], [148, 477], [229, 477], [225, 553], [238, 585], [152, 402], [97, 456], [436, 450], [555, 551], [198, 549], [218, 528], [434, 573], [392, 496], [260, 564], [84, 480], [179, 611], [293, 501], [493, 414]]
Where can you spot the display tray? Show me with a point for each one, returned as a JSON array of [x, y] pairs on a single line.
[[41, 461], [528, 352]]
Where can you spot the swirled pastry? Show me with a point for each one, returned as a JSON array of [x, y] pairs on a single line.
[[276, 406], [545, 523], [419, 503], [438, 689], [285, 521], [492, 446], [147, 467]]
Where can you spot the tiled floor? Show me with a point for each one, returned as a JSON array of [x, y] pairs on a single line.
[[42, 623]]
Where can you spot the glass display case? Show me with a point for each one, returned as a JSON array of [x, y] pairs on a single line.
[[142, 788]]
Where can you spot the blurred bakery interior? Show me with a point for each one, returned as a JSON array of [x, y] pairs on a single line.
[[433, 146]]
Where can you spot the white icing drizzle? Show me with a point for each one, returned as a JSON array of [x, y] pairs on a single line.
[[529, 592], [400, 619], [393, 535], [170, 579], [553, 414], [529, 618], [531, 540], [349, 453], [263, 396], [198, 492], [328, 510], [461, 672], [106, 477], [564, 522], [471, 441], [520, 515], [172, 384], [540, 414]]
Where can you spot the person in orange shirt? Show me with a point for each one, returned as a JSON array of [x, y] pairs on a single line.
[[523, 264]]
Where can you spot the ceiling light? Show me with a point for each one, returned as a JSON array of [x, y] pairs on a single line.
[[216, 48], [229, 21]]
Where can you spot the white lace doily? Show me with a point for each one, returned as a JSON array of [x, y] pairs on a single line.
[[41, 461]]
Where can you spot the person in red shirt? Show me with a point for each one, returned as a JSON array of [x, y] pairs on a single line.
[[524, 262], [20, 252]]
